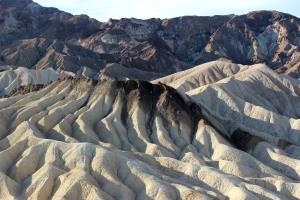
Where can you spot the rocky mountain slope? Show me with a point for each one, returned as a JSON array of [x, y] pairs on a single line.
[[85, 139], [36, 37]]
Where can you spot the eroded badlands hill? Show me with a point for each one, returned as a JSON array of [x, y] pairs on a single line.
[[13, 80], [216, 131], [84, 139], [253, 97]]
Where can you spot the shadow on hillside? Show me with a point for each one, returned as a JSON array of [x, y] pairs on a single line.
[[242, 92]]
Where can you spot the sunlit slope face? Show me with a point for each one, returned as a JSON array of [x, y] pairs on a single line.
[[83, 139], [249, 97], [12, 81]]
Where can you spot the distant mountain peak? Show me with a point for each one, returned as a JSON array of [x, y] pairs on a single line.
[[161, 46]]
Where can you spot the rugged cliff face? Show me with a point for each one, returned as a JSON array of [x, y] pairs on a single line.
[[269, 37], [39, 37]]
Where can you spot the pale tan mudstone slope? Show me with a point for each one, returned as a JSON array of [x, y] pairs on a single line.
[[248, 97], [84, 139], [13, 79]]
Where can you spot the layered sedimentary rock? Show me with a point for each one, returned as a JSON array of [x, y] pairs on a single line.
[[118, 72], [249, 104], [252, 97], [13, 80], [38, 37], [86, 139]]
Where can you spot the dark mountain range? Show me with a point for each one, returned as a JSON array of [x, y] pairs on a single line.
[[37, 37]]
